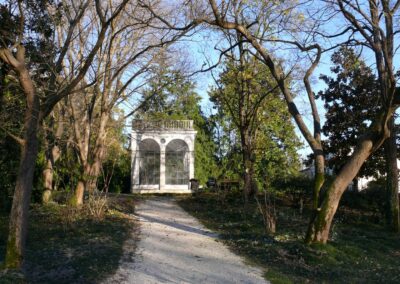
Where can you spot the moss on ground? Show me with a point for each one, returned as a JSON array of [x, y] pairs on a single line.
[[358, 252]]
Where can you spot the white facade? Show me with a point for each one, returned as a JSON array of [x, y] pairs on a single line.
[[162, 156]]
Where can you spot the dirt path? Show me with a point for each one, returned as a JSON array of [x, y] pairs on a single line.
[[175, 248]]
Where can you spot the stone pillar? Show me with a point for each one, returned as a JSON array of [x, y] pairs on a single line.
[[162, 166], [136, 138], [137, 169], [191, 165]]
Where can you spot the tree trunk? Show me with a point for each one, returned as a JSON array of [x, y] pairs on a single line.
[[82, 185], [23, 188], [319, 228], [48, 173], [87, 182], [53, 153], [47, 181], [392, 181], [319, 179], [93, 175], [247, 184], [248, 173], [77, 199], [98, 155]]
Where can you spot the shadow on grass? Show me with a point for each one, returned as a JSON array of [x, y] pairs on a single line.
[[65, 249], [359, 252]]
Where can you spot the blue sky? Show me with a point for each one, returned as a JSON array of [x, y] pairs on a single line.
[[204, 82], [199, 51]]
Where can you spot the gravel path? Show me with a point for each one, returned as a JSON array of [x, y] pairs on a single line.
[[175, 248]]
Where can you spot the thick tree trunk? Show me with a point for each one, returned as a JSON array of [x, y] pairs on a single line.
[[48, 173], [319, 228], [319, 179], [248, 174], [392, 181], [247, 184], [47, 181], [77, 200], [87, 182], [98, 155], [23, 188], [91, 157], [93, 175], [81, 186]]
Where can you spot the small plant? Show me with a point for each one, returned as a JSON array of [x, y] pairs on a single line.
[[97, 204], [268, 212], [71, 214]]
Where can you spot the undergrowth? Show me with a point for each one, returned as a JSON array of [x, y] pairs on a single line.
[[67, 245], [359, 251]]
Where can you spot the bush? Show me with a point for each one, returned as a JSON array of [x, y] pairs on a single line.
[[116, 175], [97, 205], [371, 199], [9, 153], [294, 188]]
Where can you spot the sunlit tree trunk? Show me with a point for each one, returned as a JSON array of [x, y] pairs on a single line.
[[23, 188], [320, 225], [319, 179], [53, 153], [14, 56], [99, 149], [91, 157], [374, 24]]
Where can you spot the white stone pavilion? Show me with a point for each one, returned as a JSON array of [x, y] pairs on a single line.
[[162, 156]]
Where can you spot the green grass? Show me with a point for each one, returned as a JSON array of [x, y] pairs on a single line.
[[359, 252], [69, 246]]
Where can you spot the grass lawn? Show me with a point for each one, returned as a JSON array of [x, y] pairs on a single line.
[[359, 252], [69, 246]]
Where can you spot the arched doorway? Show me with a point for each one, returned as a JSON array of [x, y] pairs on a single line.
[[177, 162], [149, 162]]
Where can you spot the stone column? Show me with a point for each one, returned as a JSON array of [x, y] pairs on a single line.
[[191, 164], [162, 166], [136, 138]]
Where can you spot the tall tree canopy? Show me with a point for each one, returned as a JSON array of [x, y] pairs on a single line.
[[274, 26], [350, 108], [250, 105]]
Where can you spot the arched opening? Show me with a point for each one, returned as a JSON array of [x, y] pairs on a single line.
[[177, 162], [149, 162]]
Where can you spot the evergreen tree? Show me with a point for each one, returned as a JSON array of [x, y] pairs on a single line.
[[171, 95], [350, 110], [251, 107]]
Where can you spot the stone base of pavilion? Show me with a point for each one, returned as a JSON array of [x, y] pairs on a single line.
[[178, 189]]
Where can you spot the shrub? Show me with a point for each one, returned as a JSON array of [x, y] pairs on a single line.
[[296, 189], [97, 205]]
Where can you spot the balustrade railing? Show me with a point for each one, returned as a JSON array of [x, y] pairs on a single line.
[[140, 124]]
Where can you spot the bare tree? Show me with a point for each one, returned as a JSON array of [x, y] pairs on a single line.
[[119, 71], [373, 22], [371, 25], [40, 102], [239, 92], [54, 131]]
